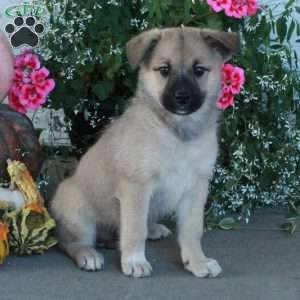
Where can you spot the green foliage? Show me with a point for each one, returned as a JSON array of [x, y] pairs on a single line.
[[259, 161], [260, 137], [293, 217]]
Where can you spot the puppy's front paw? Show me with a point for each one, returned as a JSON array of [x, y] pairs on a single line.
[[158, 231], [89, 259], [136, 265], [206, 268]]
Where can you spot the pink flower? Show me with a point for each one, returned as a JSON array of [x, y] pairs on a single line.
[[19, 61], [235, 8], [21, 76], [238, 9], [238, 80], [252, 7], [14, 102], [219, 5], [16, 87], [31, 84], [18, 75], [31, 61], [29, 97], [39, 79], [17, 81], [233, 78], [226, 100], [27, 60]]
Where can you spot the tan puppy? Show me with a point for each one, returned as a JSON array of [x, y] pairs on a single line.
[[156, 159]]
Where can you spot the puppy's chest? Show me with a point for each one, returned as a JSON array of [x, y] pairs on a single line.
[[171, 186], [178, 175]]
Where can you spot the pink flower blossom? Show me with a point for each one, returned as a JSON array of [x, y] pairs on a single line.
[[17, 81], [219, 5], [226, 100], [233, 79], [21, 76], [238, 9], [31, 84], [19, 61], [18, 75], [235, 8], [29, 97], [14, 102], [32, 61], [252, 7], [27, 60], [42, 84]]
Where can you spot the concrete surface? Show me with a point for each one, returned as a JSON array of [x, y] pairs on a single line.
[[258, 264]]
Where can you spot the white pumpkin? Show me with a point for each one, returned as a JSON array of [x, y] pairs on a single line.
[[13, 198]]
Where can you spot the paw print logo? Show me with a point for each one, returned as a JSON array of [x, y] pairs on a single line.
[[24, 31]]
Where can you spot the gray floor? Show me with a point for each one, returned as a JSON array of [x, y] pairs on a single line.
[[258, 264]]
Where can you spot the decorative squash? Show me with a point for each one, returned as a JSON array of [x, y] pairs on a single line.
[[30, 230], [18, 141]]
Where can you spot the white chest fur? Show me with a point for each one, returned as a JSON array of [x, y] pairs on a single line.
[[179, 172]]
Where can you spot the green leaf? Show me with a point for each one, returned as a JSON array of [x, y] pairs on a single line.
[[298, 28], [277, 46], [297, 9], [281, 28], [293, 228], [296, 56], [291, 30], [214, 22], [289, 4], [286, 226], [293, 219], [103, 89], [77, 85], [293, 208], [115, 64], [227, 223], [290, 227]]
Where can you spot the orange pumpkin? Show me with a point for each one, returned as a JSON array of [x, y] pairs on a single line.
[[4, 246]]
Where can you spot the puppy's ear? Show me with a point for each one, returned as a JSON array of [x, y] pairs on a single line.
[[140, 48], [226, 43]]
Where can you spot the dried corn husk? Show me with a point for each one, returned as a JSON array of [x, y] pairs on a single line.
[[22, 179]]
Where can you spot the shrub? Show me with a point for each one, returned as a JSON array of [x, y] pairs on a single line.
[[260, 137]]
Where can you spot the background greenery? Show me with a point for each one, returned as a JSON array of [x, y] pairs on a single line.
[[260, 137]]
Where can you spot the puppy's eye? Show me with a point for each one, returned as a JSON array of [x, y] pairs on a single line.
[[199, 70], [164, 71]]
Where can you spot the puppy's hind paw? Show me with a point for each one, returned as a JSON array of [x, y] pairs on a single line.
[[158, 231], [89, 259]]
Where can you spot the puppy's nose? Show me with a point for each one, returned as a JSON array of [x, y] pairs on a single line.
[[182, 97]]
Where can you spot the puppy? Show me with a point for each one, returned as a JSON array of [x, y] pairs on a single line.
[[156, 159]]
